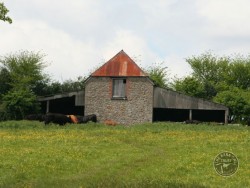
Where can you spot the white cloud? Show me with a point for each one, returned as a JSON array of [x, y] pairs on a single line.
[[133, 45], [137, 48], [67, 57], [79, 35], [177, 67], [226, 17]]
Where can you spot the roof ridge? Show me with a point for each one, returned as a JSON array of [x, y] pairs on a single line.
[[120, 65]]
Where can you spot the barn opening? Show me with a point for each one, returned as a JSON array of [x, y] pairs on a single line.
[[180, 115], [67, 103], [165, 114], [173, 106], [209, 115]]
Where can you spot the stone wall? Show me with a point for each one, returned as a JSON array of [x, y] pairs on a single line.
[[137, 108]]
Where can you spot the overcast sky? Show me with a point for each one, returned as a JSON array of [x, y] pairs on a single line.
[[78, 36]]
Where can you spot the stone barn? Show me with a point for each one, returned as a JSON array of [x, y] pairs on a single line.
[[121, 92]]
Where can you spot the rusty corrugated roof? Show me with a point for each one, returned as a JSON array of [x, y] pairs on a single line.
[[120, 65]]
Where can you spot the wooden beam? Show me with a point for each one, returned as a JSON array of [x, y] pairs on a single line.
[[190, 115], [226, 116], [47, 106]]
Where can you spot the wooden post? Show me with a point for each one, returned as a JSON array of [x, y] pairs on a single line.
[[226, 116], [47, 106], [190, 115]]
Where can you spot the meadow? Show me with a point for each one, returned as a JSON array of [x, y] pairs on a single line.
[[95, 155]]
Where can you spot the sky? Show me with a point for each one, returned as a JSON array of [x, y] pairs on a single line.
[[78, 36]]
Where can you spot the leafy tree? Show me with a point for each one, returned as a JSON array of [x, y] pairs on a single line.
[[4, 81], [210, 70], [41, 87], [20, 76], [56, 87], [24, 69], [190, 86], [208, 67], [19, 102], [238, 102], [73, 85], [3, 13], [159, 74], [239, 73], [213, 70]]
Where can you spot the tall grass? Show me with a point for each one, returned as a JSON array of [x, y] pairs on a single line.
[[94, 155]]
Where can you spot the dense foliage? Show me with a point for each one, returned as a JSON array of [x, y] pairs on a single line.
[[19, 76], [22, 70], [158, 73], [3, 13], [66, 86], [22, 80], [19, 102], [238, 101]]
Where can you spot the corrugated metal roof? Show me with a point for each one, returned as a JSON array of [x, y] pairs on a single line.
[[120, 65]]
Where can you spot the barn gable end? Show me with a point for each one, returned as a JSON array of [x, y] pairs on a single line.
[[120, 91]]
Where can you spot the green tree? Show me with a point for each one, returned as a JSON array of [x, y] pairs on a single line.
[[20, 76], [73, 85], [190, 86], [55, 87], [208, 67], [19, 102], [210, 70], [158, 73], [239, 72], [3, 13], [24, 69], [238, 102], [4, 81]]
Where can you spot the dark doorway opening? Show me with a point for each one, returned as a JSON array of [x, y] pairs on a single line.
[[64, 105], [180, 115], [209, 115], [169, 114]]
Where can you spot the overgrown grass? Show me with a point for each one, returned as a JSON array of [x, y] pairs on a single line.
[[94, 155]]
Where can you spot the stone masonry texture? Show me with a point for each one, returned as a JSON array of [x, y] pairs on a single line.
[[137, 108]]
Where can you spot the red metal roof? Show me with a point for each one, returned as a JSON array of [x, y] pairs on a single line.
[[120, 65]]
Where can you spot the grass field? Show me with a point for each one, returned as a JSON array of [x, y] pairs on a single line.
[[94, 155]]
